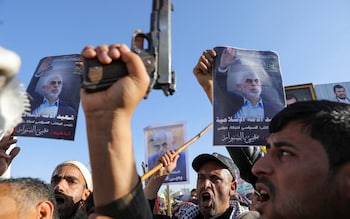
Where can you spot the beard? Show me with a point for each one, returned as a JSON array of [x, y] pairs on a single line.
[[343, 97], [251, 94], [66, 206], [52, 95]]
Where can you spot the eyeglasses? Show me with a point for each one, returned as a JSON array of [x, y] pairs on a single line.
[[55, 82]]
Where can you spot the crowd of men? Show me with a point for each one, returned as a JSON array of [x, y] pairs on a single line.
[[304, 174]]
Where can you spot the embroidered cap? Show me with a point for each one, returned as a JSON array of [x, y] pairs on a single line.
[[216, 157]]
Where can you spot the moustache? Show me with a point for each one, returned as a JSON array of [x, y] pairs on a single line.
[[65, 205]]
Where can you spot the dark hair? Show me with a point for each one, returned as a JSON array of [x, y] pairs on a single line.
[[338, 86], [325, 121]]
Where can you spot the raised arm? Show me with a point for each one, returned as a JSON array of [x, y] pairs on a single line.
[[244, 157], [108, 116], [168, 160], [203, 72]]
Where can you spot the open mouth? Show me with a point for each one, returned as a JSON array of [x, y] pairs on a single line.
[[206, 199], [60, 199], [262, 196]]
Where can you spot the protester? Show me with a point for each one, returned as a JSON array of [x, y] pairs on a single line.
[[216, 184], [193, 197], [108, 113], [218, 189], [308, 155], [26, 198], [72, 184], [118, 189], [169, 161]]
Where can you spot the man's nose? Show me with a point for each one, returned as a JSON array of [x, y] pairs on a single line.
[[255, 83], [60, 186], [262, 166], [206, 183]]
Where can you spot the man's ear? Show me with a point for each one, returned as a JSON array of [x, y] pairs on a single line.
[[233, 189], [86, 194], [45, 210]]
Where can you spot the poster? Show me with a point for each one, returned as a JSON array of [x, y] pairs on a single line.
[[162, 137], [248, 92], [300, 92], [338, 92], [54, 94]]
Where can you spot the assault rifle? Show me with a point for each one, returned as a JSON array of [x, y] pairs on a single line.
[[157, 57]]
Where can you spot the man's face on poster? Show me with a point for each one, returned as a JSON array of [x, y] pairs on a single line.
[[250, 85], [340, 93], [161, 146], [52, 88]]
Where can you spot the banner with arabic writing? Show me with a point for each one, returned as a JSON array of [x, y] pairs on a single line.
[[248, 92], [54, 93], [160, 138]]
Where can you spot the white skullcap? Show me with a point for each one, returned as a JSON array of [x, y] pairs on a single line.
[[86, 173]]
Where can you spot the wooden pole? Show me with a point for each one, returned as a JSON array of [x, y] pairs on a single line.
[[168, 197]]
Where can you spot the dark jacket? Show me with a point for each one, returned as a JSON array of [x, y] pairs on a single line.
[[63, 107]]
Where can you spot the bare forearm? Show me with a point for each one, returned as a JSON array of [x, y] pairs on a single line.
[[111, 154], [209, 92], [153, 186]]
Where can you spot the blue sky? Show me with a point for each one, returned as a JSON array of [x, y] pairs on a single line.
[[311, 38]]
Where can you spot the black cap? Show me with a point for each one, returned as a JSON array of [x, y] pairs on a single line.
[[216, 157]]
